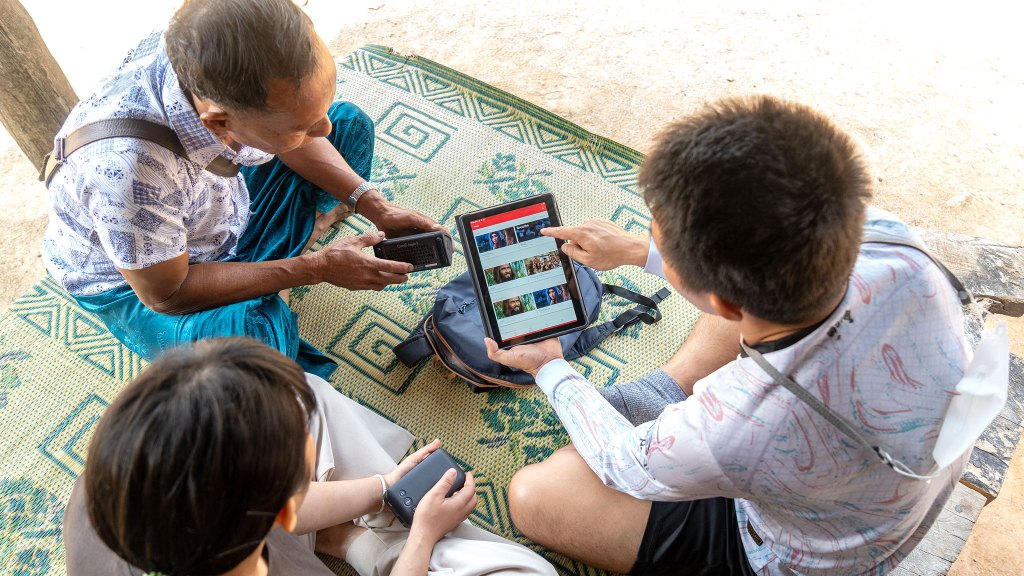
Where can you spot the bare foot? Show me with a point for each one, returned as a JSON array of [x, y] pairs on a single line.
[[325, 221], [336, 540]]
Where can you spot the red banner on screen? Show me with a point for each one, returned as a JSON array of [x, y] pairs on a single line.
[[506, 216]]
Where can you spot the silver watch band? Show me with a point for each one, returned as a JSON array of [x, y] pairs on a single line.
[[363, 188]]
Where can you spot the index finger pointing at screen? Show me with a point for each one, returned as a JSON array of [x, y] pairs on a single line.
[[560, 232]]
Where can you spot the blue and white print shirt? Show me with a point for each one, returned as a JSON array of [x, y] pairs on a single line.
[[129, 203]]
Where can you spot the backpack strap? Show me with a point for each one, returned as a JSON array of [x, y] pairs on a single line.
[[870, 236], [415, 347], [125, 128], [646, 311], [875, 236]]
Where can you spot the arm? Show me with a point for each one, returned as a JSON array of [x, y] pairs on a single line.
[[331, 503], [435, 517], [666, 459], [175, 287], [322, 164]]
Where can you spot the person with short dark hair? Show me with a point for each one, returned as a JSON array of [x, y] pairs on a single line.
[[710, 465], [225, 458], [168, 248]]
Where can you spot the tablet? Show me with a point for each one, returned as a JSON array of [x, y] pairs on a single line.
[[525, 284]]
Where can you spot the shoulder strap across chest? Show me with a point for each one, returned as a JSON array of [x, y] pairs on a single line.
[[125, 128]]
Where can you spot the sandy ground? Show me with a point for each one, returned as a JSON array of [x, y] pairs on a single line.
[[933, 94]]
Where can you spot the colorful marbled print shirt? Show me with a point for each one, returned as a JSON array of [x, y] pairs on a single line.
[[887, 360]]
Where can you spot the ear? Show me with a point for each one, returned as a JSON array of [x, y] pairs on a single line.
[[288, 516], [724, 308], [216, 120]]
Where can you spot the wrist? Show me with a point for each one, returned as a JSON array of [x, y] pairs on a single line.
[[420, 535], [313, 266], [639, 248], [534, 372], [372, 205], [380, 489], [552, 373], [357, 194]]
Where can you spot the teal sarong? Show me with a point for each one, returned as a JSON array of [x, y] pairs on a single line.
[[283, 209]]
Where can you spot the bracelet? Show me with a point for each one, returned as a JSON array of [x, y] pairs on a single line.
[[383, 492], [363, 188]]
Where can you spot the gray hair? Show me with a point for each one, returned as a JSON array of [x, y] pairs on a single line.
[[226, 51]]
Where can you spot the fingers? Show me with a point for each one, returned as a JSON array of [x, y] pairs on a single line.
[[492, 351], [440, 490], [561, 232], [391, 266], [367, 240], [388, 279], [418, 456], [466, 496], [410, 461], [571, 250]]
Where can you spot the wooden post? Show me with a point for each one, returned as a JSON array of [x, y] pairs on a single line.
[[35, 95]]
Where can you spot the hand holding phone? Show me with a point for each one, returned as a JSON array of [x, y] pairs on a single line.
[[424, 251], [404, 496]]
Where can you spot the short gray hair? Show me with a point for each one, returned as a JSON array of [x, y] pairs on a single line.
[[226, 51]]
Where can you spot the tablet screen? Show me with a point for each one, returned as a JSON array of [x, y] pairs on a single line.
[[523, 272]]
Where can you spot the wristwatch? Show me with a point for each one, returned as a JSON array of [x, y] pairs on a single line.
[[363, 188]]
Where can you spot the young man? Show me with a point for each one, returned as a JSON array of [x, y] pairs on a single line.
[[165, 250], [203, 466], [758, 209]]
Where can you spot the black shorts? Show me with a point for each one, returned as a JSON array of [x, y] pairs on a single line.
[[698, 537]]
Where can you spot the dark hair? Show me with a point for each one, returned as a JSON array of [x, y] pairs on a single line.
[[761, 202], [226, 51], [190, 465]]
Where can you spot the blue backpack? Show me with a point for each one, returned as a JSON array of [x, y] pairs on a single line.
[[453, 331]]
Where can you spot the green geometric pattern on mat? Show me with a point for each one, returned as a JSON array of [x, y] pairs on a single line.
[[446, 144]]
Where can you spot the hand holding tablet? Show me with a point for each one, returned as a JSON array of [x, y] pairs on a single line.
[[525, 285]]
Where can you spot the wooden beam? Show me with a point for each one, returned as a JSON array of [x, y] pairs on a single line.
[[35, 95], [947, 536], [989, 269]]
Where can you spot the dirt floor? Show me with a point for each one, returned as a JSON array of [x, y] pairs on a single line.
[[934, 98]]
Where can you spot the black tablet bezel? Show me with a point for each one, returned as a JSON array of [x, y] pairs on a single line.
[[476, 270]]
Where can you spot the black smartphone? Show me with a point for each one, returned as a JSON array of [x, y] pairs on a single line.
[[424, 251], [405, 495]]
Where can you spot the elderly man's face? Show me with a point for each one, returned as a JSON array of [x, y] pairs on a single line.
[[295, 116]]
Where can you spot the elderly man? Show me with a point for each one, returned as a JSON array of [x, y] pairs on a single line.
[[169, 246]]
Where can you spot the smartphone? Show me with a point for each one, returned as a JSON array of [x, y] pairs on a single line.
[[405, 495], [424, 251]]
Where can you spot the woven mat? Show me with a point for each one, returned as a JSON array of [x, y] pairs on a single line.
[[446, 144]]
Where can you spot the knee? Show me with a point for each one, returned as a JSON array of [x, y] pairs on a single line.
[[352, 134], [272, 322], [525, 495], [349, 120], [539, 493]]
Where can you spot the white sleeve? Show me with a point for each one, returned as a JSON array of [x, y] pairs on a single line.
[[665, 459], [654, 262]]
